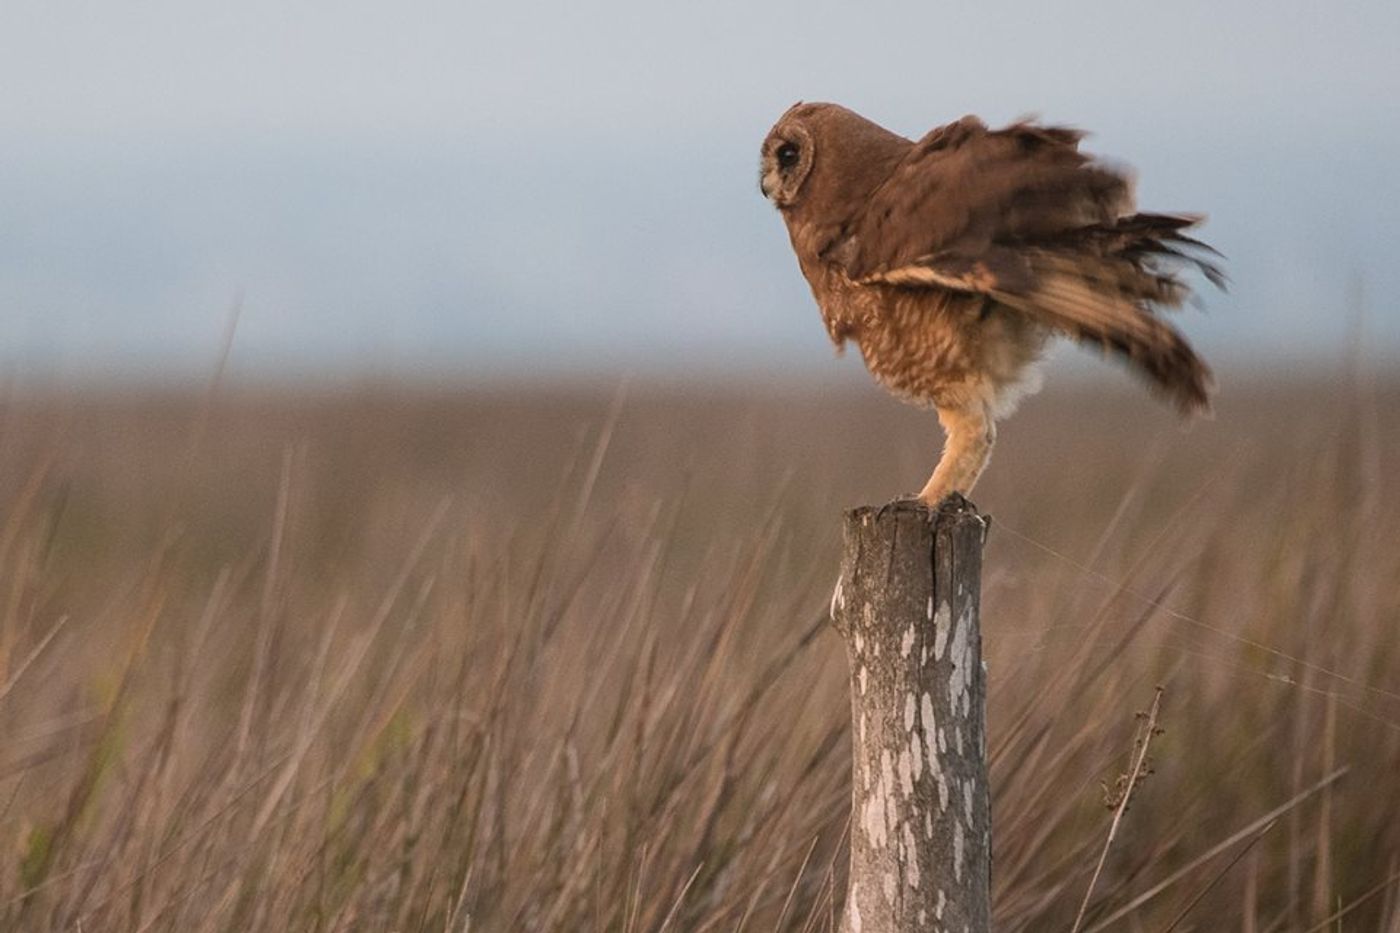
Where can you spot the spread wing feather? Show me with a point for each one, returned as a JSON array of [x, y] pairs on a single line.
[[1021, 215]]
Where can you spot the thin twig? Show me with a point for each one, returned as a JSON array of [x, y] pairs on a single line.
[[675, 907], [1133, 775], [1244, 850], [32, 656], [1215, 850], [796, 883], [1375, 889]]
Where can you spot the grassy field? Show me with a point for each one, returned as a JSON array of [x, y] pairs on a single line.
[[556, 659]]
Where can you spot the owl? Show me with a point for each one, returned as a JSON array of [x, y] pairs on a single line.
[[952, 261]]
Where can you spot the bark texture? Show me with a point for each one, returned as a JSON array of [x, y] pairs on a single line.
[[907, 607]]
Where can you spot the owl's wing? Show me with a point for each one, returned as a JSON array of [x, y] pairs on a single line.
[[1021, 215]]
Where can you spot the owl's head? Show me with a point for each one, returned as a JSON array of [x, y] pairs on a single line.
[[817, 151], [786, 158]]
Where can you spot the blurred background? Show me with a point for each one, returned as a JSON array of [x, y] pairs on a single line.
[[465, 190], [421, 458]]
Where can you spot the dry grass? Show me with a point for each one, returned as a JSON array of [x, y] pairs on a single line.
[[388, 660]]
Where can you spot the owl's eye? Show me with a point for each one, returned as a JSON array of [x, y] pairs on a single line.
[[787, 155]]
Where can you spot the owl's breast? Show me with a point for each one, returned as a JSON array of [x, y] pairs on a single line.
[[920, 345], [928, 346], [843, 304]]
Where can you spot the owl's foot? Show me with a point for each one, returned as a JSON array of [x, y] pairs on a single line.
[[970, 435], [954, 501], [931, 497], [902, 501]]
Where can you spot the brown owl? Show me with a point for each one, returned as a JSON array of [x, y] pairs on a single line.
[[952, 260]]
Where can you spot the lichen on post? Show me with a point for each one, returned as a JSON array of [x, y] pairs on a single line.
[[906, 605]]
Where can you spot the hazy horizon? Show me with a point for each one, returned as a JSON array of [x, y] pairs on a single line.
[[530, 189]]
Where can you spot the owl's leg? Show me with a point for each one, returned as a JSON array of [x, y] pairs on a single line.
[[970, 434]]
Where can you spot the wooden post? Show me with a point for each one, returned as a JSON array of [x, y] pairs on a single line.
[[907, 607]]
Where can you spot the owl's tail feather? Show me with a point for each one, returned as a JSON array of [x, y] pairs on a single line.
[[1104, 284], [1108, 300]]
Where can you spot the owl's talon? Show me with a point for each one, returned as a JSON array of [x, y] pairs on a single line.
[[908, 498]]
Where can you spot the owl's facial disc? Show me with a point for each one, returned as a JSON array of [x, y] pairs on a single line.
[[787, 158]]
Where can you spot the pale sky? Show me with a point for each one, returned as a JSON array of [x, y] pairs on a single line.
[[468, 186]]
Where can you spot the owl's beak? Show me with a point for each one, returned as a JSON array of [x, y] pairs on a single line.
[[763, 183]]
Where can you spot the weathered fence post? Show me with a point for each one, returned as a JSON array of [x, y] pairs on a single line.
[[907, 606]]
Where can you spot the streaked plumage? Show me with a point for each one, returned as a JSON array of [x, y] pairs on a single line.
[[950, 261]]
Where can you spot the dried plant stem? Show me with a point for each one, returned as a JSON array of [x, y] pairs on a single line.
[[1133, 776], [1254, 827], [1200, 895]]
